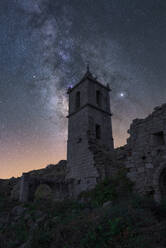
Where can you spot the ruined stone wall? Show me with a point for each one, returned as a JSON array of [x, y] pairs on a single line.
[[104, 159], [54, 176], [144, 157], [145, 153]]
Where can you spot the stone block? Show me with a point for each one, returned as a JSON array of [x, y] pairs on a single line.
[[149, 166], [141, 169], [132, 174], [153, 153], [149, 160], [129, 165]]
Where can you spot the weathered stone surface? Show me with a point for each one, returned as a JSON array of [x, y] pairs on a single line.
[[149, 166], [145, 152], [18, 210], [141, 169], [132, 175], [53, 177]]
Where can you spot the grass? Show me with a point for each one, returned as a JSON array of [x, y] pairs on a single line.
[[73, 224]]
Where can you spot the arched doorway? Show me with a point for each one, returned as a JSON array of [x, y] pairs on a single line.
[[162, 183], [159, 182]]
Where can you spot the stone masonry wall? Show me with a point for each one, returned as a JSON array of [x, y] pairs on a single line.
[[53, 175], [80, 162], [104, 160], [145, 153], [82, 126]]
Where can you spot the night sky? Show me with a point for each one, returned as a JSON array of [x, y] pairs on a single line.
[[45, 46]]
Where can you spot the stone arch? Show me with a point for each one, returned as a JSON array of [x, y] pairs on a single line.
[[158, 178]]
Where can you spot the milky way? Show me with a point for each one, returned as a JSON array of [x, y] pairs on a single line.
[[45, 46]]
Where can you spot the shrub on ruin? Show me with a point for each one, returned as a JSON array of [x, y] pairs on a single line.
[[43, 192]]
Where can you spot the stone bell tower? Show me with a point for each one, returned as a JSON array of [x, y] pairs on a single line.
[[89, 120]]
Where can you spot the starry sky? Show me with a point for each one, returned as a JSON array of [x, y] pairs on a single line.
[[45, 46]]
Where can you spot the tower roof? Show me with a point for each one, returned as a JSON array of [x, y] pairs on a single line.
[[88, 75]]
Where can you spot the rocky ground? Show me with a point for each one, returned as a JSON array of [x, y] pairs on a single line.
[[111, 215]]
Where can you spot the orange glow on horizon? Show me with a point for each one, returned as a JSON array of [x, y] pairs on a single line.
[[33, 154], [23, 158], [15, 166]]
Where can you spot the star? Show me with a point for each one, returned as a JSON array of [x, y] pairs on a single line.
[[122, 94]]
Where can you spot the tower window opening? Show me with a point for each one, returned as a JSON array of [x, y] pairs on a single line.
[[98, 131], [158, 139], [77, 100], [162, 183], [98, 98]]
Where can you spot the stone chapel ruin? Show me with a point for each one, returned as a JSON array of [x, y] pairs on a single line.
[[144, 155], [90, 151]]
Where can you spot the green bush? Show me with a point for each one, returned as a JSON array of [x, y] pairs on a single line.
[[109, 189], [43, 192]]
